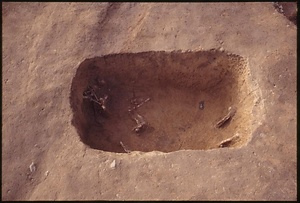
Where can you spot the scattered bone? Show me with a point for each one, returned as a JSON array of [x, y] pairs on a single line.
[[103, 102], [32, 167], [137, 104], [146, 100], [229, 142], [91, 95], [99, 101], [140, 123], [123, 146], [113, 164], [226, 118]]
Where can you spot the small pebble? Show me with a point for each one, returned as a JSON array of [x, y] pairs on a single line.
[[113, 164], [46, 173], [201, 105]]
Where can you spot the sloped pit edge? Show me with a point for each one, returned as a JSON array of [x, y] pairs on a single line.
[[163, 101]]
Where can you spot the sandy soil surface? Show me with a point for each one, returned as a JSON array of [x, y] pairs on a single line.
[[193, 60]]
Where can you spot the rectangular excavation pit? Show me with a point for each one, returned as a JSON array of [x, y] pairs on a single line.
[[163, 101]]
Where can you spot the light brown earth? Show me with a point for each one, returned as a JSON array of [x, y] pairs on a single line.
[[239, 55]]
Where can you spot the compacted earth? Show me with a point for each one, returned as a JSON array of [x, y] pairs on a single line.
[[149, 101]]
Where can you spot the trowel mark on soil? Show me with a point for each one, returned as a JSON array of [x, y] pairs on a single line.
[[152, 95]]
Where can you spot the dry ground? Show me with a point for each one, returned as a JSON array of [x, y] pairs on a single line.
[[44, 44]]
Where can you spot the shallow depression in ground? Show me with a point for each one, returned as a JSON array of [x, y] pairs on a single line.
[[162, 101]]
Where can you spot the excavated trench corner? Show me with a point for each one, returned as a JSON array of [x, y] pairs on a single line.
[[163, 101]]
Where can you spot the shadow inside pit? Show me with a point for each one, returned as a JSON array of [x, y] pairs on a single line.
[[150, 101], [288, 9]]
